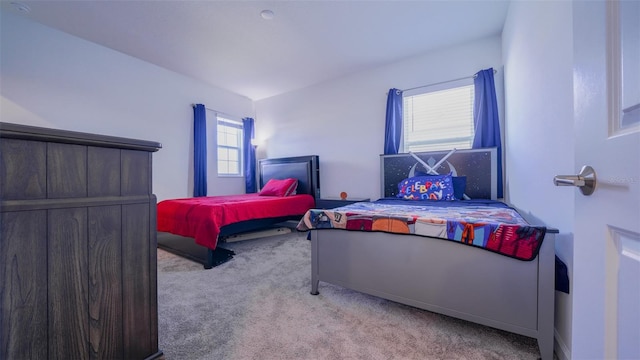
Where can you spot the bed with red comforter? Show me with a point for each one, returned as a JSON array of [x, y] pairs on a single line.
[[194, 227], [202, 218]]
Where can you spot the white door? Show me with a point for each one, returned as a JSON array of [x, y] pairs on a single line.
[[606, 273]]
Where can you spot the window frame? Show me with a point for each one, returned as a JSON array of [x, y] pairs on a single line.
[[228, 121], [446, 85]]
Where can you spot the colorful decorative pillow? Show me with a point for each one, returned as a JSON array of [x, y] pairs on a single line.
[[459, 184], [431, 187], [277, 187]]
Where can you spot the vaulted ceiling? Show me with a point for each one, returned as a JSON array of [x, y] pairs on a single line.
[[228, 44]]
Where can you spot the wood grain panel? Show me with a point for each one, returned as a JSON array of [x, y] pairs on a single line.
[[66, 171], [103, 171], [105, 278], [69, 287], [68, 282], [23, 293], [136, 272], [153, 272], [22, 169], [136, 172]]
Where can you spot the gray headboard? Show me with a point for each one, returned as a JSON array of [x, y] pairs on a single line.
[[304, 168], [478, 165]]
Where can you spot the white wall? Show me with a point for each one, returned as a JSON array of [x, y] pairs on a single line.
[[537, 50], [51, 79], [342, 120]]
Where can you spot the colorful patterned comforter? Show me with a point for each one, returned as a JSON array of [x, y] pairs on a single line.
[[486, 224]]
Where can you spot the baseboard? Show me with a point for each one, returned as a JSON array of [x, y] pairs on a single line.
[[257, 234], [561, 350]]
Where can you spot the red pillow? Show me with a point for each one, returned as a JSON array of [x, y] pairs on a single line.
[[276, 187]]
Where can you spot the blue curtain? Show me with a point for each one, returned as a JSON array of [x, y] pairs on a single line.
[[249, 160], [393, 123], [199, 151], [485, 118]]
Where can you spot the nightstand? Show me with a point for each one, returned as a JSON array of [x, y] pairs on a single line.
[[330, 203]]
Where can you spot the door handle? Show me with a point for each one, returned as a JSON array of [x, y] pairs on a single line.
[[586, 180]]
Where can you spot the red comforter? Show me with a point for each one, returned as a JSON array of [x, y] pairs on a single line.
[[201, 218]]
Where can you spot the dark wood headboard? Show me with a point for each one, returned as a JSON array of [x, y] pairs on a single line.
[[304, 168]]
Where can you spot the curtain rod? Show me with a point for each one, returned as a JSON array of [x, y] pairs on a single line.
[[231, 117], [446, 81]]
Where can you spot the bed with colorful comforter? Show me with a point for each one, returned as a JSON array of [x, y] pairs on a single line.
[[421, 245], [486, 224]]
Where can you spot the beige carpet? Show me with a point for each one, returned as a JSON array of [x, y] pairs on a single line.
[[258, 306]]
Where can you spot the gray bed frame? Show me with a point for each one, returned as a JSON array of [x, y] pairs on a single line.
[[442, 276]]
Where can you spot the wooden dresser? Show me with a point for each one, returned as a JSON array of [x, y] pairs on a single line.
[[78, 272]]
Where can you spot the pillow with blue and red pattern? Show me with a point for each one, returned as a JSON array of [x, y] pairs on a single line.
[[428, 187]]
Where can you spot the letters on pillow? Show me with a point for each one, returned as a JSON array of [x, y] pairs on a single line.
[[277, 187], [459, 184], [430, 187]]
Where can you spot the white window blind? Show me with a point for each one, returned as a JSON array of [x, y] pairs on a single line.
[[439, 119], [229, 147]]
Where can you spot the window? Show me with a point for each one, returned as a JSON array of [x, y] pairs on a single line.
[[229, 147], [440, 118]]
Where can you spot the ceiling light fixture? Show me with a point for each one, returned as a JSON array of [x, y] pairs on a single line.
[[266, 14], [22, 7]]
